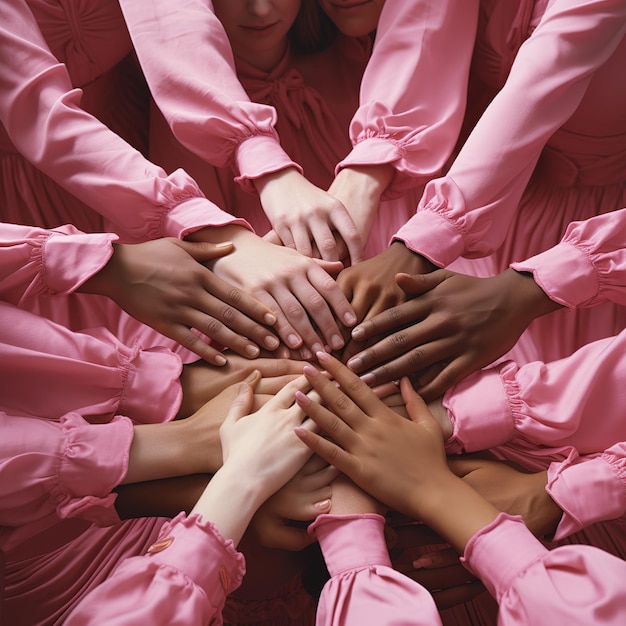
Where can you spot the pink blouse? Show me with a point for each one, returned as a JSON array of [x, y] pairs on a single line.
[[81, 154], [468, 212], [185, 578], [210, 113]]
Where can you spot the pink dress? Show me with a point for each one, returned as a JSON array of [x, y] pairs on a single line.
[[211, 114], [191, 569], [314, 97], [88, 369], [550, 149]]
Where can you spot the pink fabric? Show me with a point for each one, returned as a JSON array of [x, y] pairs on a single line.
[[314, 97], [364, 588], [546, 416], [549, 150], [185, 583], [567, 585], [136, 198]]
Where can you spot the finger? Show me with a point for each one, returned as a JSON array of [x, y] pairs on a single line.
[[418, 284], [286, 396], [192, 342], [285, 236], [324, 284], [385, 390], [415, 405], [204, 251], [283, 327], [357, 391], [447, 598], [451, 374], [302, 239], [271, 386], [329, 451], [324, 239], [349, 233], [272, 237], [464, 466], [286, 538], [241, 405], [318, 482]]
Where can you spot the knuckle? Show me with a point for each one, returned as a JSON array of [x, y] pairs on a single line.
[[234, 295], [399, 340], [229, 315], [342, 403], [415, 358], [212, 327]]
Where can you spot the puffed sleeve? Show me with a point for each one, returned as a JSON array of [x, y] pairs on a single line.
[[364, 588], [468, 212], [37, 261], [589, 488], [543, 404], [574, 584], [188, 62], [64, 467], [182, 581], [41, 112], [588, 266], [408, 116]]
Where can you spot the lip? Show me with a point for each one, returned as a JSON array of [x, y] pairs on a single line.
[[259, 29], [348, 6]]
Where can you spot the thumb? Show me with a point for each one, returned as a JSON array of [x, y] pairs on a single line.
[[330, 267], [205, 251], [242, 404], [417, 284], [415, 405]]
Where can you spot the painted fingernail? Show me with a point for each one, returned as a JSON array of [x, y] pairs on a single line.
[[309, 370], [336, 342], [423, 561], [271, 342], [269, 319], [219, 360], [357, 333], [349, 319], [252, 351]]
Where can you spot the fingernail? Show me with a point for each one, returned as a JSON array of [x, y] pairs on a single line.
[[252, 351], [349, 319], [317, 347], [293, 340], [336, 342], [355, 363], [271, 342], [219, 360], [423, 561], [357, 333], [302, 398], [368, 379], [269, 319], [323, 357], [323, 505], [251, 376], [309, 370], [224, 244], [306, 354]]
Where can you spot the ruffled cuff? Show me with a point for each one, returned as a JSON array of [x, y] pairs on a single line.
[[349, 542], [260, 155], [195, 214], [94, 462], [195, 547], [480, 411], [500, 552], [67, 261], [151, 391], [587, 490], [566, 273]]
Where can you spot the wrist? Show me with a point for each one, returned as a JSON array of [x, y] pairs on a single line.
[[265, 182], [403, 260], [533, 298]]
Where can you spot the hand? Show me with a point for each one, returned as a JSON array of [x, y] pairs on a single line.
[[307, 218], [201, 382], [359, 189], [388, 456], [163, 284], [512, 491], [297, 289], [261, 448], [302, 499], [453, 325], [371, 289], [424, 556]]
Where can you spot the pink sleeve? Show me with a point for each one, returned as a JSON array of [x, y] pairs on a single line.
[[41, 113], [408, 115], [49, 370], [468, 212], [64, 467], [188, 63], [589, 489], [364, 588], [588, 266], [568, 585], [184, 579], [41, 262], [545, 404]]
